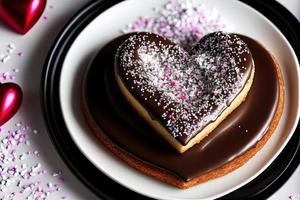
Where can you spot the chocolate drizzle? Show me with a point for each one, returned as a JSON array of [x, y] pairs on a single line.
[[125, 128], [184, 92]]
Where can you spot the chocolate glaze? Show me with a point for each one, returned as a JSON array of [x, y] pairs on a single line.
[[184, 119], [125, 128]]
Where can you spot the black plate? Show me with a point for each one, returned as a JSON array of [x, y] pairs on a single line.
[[260, 188]]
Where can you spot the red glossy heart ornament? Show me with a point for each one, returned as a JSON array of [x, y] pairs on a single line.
[[10, 100], [21, 15]]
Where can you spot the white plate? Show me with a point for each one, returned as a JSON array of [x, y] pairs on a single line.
[[106, 27]]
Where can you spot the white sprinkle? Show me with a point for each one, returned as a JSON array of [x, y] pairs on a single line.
[[49, 185], [10, 48], [5, 58], [16, 70]]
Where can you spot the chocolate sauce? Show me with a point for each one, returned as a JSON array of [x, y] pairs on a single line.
[[124, 127]]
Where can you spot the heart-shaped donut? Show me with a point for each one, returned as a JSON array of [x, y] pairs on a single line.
[[184, 95]]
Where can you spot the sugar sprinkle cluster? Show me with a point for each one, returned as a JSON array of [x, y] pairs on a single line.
[[181, 21], [16, 172], [6, 55], [22, 173], [294, 196], [189, 90]]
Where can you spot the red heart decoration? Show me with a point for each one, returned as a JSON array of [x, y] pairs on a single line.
[[10, 100], [21, 15]]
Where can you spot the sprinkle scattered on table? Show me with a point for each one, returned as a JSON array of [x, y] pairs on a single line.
[[25, 177], [181, 21]]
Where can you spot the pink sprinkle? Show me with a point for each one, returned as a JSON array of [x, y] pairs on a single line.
[[61, 179], [183, 97], [41, 172], [2, 157], [171, 116], [173, 84], [57, 173], [37, 153], [12, 170], [45, 17], [20, 54], [294, 196]]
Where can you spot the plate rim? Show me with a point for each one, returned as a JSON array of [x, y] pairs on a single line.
[[59, 48]]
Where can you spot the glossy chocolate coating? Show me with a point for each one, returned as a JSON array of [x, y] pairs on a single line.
[[206, 81], [125, 128]]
